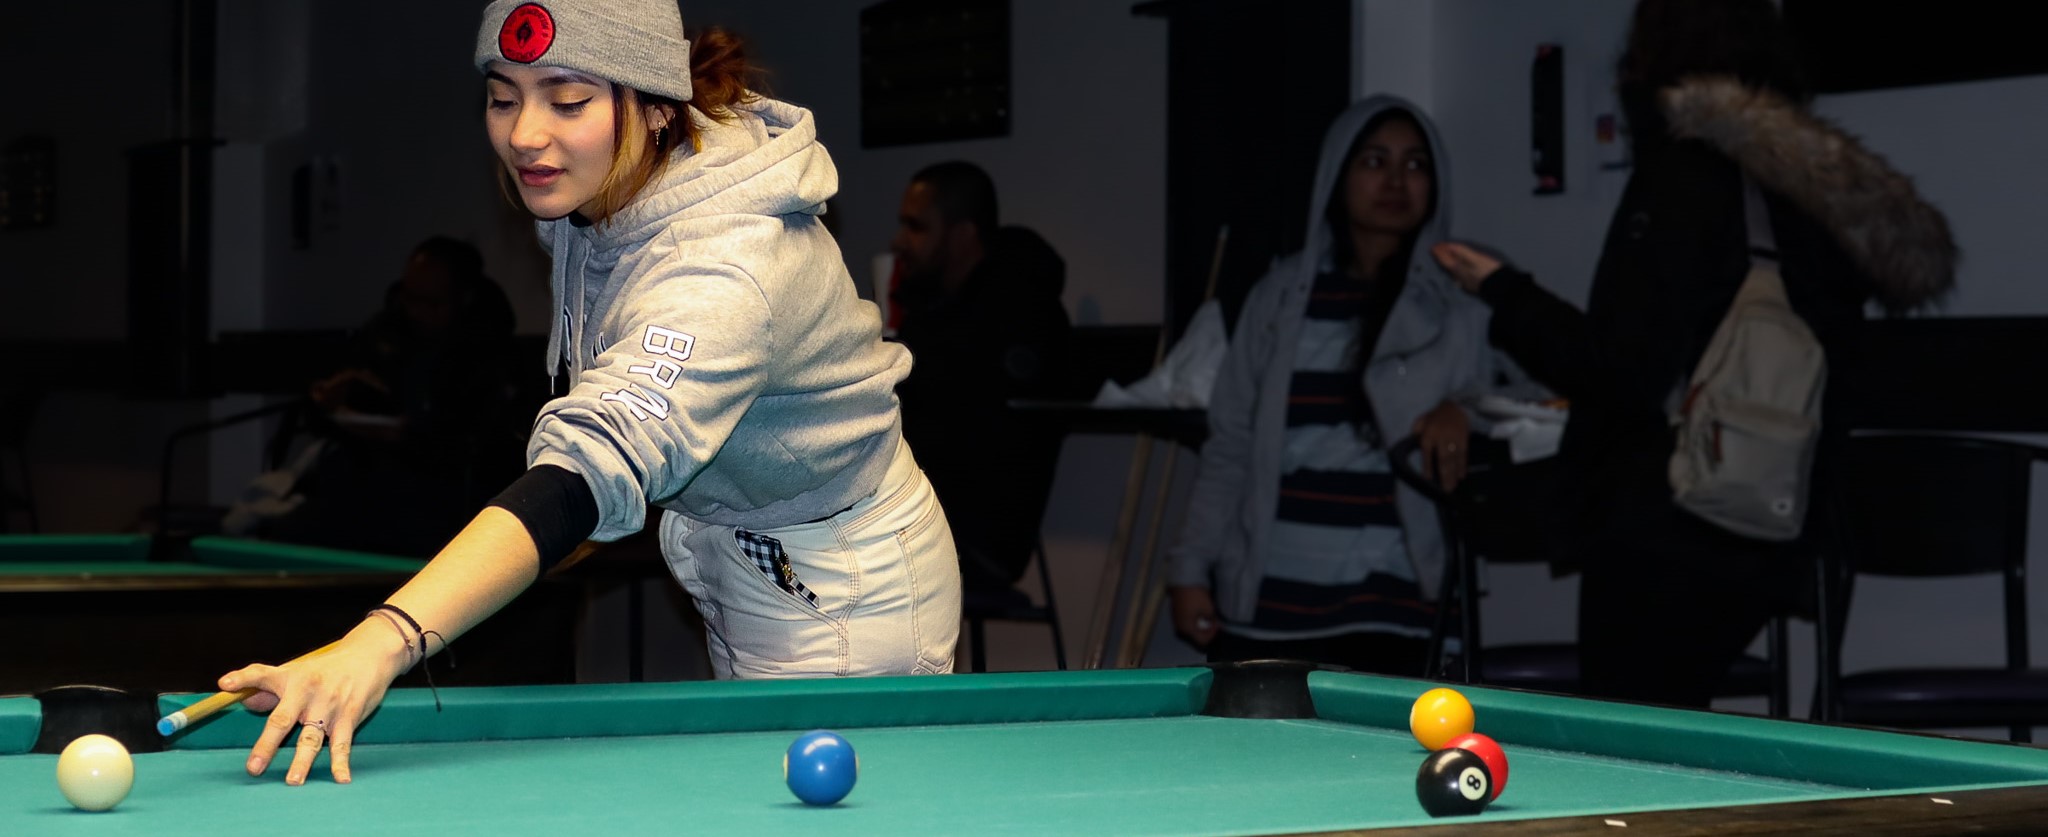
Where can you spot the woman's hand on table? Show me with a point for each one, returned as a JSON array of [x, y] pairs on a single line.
[[326, 698]]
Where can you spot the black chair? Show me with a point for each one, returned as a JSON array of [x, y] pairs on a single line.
[[1092, 355], [1509, 514], [1012, 605], [1920, 506]]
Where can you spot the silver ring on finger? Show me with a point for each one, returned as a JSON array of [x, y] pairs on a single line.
[[317, 726]]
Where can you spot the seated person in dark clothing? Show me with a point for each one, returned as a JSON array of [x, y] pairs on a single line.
[[420, 349], [419, 424], [984, 323]]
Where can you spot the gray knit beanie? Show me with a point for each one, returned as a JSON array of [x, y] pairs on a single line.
[[637, 43]]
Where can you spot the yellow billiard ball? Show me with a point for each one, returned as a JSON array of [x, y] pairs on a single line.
[[95, 772], [1439, 716]]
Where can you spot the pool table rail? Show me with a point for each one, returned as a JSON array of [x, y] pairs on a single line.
[[627, 709]]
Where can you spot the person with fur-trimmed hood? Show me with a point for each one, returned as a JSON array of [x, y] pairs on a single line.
[[1712, 92]]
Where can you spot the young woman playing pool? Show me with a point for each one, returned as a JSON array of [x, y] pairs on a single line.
[[719, 364]]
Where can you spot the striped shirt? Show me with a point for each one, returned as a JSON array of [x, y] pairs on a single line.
[[1335, 561]]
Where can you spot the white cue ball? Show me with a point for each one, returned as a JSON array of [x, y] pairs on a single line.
[[95, 772]]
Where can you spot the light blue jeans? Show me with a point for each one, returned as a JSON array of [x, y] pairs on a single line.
[[883, 573]]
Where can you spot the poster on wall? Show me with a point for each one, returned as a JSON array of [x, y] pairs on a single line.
[[934, 71], [28, 190], [1546, 119], [316, 200]]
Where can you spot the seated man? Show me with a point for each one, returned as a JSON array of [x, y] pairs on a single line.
[[983, 320], [419, 420]]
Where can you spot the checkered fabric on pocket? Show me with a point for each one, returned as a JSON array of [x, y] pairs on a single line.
[[774, 563]]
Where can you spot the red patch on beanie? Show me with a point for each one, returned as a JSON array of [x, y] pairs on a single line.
[[527, 34]]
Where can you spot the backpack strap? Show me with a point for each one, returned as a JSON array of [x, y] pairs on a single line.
[[1763, 251], [1763, 244]]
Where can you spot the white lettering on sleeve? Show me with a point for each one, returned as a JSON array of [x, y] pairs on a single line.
[[674, 344], [643, 403], [660, 370]]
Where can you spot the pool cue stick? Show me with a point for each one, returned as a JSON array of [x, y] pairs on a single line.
[[1108, 588], [1112, 569], [1137, 631], [221, 700], [1142, 618], [1110, 595]]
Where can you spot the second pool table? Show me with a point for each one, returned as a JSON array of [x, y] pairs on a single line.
[[135, 613]]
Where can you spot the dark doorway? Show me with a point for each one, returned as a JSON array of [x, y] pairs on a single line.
[[1251, 85]]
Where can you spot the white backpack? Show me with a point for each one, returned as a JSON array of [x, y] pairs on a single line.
[[1750, 417]]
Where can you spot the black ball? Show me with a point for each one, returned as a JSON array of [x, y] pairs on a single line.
[[1453, 782]]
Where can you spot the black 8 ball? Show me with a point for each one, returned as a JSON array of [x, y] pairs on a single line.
[[1453, 782]]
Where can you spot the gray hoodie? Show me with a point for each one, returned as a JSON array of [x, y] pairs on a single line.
[[1433, 348], [721, 364]]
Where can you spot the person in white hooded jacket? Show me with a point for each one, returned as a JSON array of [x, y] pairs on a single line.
[[1299, 543], [719, 364]]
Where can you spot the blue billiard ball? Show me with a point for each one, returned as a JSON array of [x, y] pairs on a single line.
[[820, 767]]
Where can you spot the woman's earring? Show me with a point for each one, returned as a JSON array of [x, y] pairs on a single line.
[[657, 135]]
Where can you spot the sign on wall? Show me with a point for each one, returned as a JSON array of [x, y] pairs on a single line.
[[28, 191], [934, 71]]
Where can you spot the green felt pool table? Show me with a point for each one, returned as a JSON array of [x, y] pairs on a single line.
[[127, 612], [1134, 752]]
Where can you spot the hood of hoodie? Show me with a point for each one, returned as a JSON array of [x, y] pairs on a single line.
[[764, 159], [1899, 240], [1426, 280]]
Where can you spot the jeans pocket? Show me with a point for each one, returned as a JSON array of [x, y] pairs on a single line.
[[772, 560], [767, 631]]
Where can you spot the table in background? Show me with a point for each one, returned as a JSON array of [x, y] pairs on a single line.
[[1138, 600], [129, 613]]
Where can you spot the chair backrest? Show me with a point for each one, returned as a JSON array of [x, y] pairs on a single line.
[[1103, 353], [1504, 512], [1924, 506], [1915, 505]]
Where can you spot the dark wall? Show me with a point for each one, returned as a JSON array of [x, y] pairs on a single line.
[[1251, 87], [96, 89], [1855, 45]]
